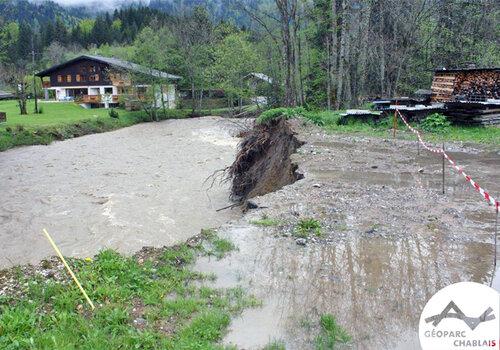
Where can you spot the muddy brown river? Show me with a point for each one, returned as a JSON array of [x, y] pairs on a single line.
[[142, 185]]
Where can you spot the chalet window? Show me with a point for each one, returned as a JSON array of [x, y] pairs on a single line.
[[59, 79], [68, 78], [94, 77], [78, 78]]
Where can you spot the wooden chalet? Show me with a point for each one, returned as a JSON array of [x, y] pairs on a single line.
[[96, 81]]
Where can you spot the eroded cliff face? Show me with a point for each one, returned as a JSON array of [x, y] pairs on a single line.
[[263, 162]]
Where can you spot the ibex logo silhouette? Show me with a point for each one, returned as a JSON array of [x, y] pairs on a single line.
[[472, 322]]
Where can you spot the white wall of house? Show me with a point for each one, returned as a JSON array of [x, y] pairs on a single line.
[[168, 97], [169, 93], [62, 92]]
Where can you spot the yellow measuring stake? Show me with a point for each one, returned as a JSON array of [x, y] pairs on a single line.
[[68, 268]]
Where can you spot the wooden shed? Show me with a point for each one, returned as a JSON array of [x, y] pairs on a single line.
[[468, 84]]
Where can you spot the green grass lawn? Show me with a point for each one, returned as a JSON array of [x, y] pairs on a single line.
[[53, 114], [153, 300]]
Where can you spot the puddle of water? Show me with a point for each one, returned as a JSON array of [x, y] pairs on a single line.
[[453, 184], [375, 287]]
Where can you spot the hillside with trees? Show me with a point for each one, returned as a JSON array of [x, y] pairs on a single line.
[[321, 53]]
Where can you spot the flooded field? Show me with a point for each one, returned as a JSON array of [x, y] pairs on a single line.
[[390, 239], [142, 185]]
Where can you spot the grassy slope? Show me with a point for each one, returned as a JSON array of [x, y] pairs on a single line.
[[486, 135], [53, 114], [151, 301]]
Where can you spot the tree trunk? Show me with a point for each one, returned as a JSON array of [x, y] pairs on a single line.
[[35, 94], [21, 95], [341, 66], [287, 14], [193, 99], [328, 74], [163, 102]]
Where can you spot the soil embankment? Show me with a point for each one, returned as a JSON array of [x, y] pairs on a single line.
[[389, 240], [134, 187], [263, 162]]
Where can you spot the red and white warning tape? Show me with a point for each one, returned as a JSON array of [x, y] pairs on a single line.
[[478, 188]]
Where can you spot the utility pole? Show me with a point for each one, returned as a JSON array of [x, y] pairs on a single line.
[[33, 53]]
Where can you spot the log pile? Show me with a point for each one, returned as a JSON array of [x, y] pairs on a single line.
[[477, 85], [442, 87], [473, 114]]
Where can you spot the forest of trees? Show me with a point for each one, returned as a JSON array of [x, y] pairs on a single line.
[[320, 53]]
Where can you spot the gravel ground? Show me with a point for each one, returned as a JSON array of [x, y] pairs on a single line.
[[389, 240]]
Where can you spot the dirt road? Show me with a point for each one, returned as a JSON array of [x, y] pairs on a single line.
[[389, 241], [142, 185]]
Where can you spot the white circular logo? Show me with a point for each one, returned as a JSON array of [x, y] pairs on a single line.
[[463, 315]]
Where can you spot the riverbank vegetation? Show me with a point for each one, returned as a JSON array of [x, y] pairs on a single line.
[[153, 300], [61, 121], [435, 128]]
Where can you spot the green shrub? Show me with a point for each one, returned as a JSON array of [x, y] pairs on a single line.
[[18, 128], [331, 333], [282, 112], [435, 123], [265, 221], [113, 113], [316, 118], [307, 226]]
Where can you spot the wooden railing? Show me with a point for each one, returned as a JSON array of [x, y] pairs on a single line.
[[94, 99]]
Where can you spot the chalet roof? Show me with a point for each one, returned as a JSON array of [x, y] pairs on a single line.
[[5, 94], [260, 76], [115, 62], [469, 69]]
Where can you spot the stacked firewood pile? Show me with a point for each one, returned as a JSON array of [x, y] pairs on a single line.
[[477, 85]]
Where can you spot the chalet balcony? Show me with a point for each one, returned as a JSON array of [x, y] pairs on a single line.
[[94, 99], [46, 84]]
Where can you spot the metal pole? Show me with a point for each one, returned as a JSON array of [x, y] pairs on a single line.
[[496, 236], [34, 76], [443, 167], [495, 276], [394, 123]]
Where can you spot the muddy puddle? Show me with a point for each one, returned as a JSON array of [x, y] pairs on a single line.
[[142, 185], [375, 287], [390, 240]]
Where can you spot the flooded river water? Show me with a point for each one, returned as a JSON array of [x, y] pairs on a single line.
[[142, 185]]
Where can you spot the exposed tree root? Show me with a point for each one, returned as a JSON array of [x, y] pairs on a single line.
[[263, 162]]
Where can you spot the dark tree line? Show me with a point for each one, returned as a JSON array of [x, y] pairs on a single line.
[[319, 53]]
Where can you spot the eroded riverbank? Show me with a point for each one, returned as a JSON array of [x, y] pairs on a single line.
[[134, 187], [389, 241]]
